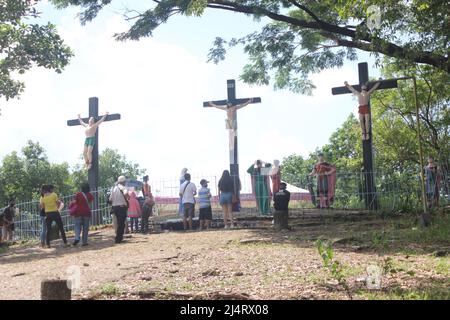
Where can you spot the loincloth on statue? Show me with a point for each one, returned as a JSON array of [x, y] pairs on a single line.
[[363, 109], [90, 141]]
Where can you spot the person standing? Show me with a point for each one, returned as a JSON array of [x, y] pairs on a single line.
[[226, 191], [281, 204], [182, 180], [260, 181], [146, 189], [119, 200], [147, 211], [52, 205], [83, 200], [7, 218], [134, 211], [43, 235], [187, 194], [204, 203], [432, 182], [326, 181], [275, 175]]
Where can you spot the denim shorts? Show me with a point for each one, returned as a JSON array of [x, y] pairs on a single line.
[[226, 198]]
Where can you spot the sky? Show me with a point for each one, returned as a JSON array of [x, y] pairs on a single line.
[[158, 85]]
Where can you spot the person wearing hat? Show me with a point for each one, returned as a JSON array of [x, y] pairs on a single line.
[[204, 203], [119, 200]]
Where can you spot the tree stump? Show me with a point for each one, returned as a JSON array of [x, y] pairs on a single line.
[[55, 290], [280, 220]]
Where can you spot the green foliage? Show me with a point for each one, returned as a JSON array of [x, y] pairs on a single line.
[[304, 37], [334, 266], [23, 45], [23, 174]]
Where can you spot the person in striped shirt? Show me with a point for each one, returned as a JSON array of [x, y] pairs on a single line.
[[204, 203]]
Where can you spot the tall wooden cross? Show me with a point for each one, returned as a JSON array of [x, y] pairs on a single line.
[[369, 189], [93, 176], [231, 102]]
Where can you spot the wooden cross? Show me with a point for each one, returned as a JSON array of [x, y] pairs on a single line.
[[232, 126], [369, 189], [93, 176]]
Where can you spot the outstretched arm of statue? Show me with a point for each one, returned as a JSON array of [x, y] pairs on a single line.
[[244, 104], [313, 172], [81, 121], [375, 86], [350, 88], [102, 119], [216, 106]]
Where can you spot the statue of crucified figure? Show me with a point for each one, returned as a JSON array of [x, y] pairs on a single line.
[[363, 109], [91, 129], [231, 122]]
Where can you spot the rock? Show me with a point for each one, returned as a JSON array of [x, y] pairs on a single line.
[[18, 275], [118, 265], [440, 253], [238, 274], [174, 271], [260, 240], [55, 289], [145, 278], [85, 264], [210, 273]]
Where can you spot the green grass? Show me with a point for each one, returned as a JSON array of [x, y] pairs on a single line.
[[109, 289], [439, 293]]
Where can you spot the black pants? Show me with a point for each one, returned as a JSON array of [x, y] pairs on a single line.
[[55, 216], [144, 219], [121, 215]]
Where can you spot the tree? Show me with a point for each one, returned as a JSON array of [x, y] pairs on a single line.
[[23, 45], [307, 36], [111, 166]]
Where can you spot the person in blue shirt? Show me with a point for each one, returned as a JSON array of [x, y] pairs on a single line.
[[204, 203]]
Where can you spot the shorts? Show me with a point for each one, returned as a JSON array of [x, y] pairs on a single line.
[[226, 198], [188, 210], [89, 142], [205, 214], [363, 109]]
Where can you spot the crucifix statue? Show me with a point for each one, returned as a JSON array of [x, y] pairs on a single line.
[[231, 105], [363, 90], [91, 144], [363, 109]]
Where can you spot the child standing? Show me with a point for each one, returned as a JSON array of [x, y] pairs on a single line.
[[134, 212], [204, 202]]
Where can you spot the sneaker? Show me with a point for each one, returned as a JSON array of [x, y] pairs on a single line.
[[75, 242], [226, 227], [85, 244]]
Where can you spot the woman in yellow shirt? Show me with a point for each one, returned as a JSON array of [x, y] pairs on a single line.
[[51, 205]]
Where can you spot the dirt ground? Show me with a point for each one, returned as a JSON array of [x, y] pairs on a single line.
[[240, 263]]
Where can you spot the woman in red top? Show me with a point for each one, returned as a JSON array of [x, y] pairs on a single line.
[[82, 215]]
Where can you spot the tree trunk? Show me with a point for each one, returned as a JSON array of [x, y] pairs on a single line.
[[55, 290], [281, 220]]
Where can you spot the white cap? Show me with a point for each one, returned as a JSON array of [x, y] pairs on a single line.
[[121, 179]]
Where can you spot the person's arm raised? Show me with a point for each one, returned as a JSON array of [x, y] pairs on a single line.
[[84, 124]]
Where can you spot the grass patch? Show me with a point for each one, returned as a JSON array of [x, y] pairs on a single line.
[[109, 289], [407, 294]]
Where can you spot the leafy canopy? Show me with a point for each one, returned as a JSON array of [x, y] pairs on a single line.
[[24, 44], [307, 36]]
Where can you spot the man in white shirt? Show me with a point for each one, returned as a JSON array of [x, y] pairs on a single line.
[[188, 190], [119, 201]]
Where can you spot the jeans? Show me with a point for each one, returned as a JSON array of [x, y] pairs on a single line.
[[43, 230], [135, 222], [55, 216], [82, 224], [121, 216]]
